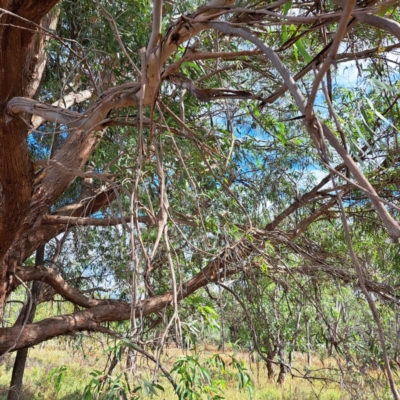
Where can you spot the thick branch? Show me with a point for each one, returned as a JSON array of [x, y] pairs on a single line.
[[388, 25], [120, 96], [82, 221], [110, 310], [52, 278], [66, 102], [156, 30], [180, 33], [104, 310]]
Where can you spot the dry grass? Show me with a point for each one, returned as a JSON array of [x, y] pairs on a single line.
[[42, 360]]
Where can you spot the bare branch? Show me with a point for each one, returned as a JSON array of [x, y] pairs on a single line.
[[85, 221], [120, 96], [66, 102], [52, 278], [388, 25], [156, 29], [331, 56], [180, 33]]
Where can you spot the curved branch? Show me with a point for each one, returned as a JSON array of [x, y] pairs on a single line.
[[86, 221], [52, 278], [107, 310], [120, 96], [313, 129], [181, 32], [111, 310], [388, 25], [46, 113], [66, 102], [227, 263], [342, 29]]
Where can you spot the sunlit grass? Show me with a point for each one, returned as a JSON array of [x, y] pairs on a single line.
[[41, 361]]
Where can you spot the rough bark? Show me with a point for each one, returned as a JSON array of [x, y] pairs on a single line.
[[18, 60], [282, 374]]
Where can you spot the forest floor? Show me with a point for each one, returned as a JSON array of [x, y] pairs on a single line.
[[47, 363]]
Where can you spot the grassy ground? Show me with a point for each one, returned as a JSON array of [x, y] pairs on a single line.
[[41, 361]]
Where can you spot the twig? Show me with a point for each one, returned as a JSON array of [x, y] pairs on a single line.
[[330, 58], [114, 28], [370, 301], [28, 311], [253, 331]]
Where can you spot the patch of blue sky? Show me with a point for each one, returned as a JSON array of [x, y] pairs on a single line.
[[302, 170], [36, 138]]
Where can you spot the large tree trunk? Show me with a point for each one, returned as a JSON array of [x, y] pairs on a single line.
[[27, 313], [20, 58]]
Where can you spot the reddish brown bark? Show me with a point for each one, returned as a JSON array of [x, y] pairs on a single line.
[[18, 59], [24, 197]]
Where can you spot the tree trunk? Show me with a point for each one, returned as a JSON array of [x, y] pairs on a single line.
[[283, 369], [282, 374], [309, 361], [22, 354], [23, 60], [270, 370], [270, 366]]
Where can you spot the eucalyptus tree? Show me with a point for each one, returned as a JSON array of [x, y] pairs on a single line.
[[160, 148]]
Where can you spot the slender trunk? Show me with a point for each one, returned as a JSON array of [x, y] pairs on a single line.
[[270, 366], [270, 370], [222, 336], [309, 362], [282, 375], [283, 369], [22, 354]]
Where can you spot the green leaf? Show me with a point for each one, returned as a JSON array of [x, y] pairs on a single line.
[[379, 115], [287, 6], [302, 50], [382, 85], [284, 33]]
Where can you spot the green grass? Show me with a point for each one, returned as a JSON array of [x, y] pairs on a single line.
[[41, 361]]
